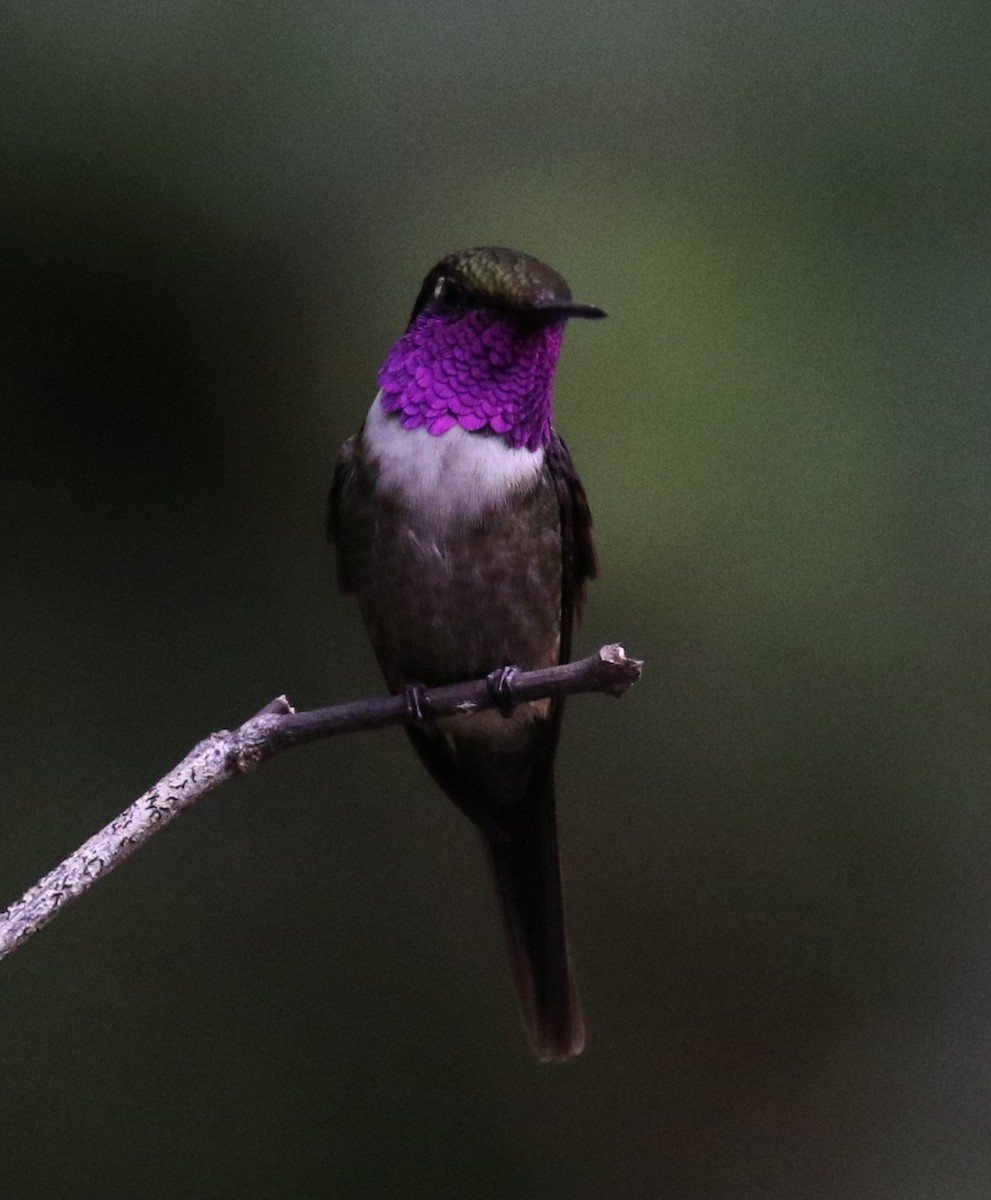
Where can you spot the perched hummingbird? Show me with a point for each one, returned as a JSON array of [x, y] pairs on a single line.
[[463, 530]]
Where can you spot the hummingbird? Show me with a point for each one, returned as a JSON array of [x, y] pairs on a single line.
[[463, 530]]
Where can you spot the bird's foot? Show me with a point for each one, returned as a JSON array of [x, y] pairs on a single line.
[[501, 689], [415, 695]]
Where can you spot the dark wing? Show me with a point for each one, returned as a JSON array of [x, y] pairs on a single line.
[[579, 560], [344, 473], [525, 864]]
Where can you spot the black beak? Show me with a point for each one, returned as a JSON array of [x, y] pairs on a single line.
[[565, 310]]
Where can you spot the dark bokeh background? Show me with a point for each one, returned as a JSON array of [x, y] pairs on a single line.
[[213, 220]]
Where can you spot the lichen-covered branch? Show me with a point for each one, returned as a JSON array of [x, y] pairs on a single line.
[[223, 755]]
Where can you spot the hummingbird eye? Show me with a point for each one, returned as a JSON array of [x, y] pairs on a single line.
[[449, 295]]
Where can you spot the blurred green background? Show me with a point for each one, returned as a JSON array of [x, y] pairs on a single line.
[[213, 221]]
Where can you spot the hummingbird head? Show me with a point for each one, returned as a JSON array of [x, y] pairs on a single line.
[[481, 347], [497, 278]]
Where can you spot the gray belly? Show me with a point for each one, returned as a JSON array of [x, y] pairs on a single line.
[[445, 605]]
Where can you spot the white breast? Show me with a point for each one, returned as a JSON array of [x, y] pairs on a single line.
[[450, 478]]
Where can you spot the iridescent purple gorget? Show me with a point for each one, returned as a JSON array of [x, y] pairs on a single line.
[[481, 369]]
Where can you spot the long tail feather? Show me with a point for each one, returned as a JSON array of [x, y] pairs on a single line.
[[528, 882]]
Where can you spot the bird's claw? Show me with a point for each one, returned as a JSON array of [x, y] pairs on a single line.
[[501, 688], [415, 695]]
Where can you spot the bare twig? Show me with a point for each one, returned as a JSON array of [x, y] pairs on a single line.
[[276, 727]]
